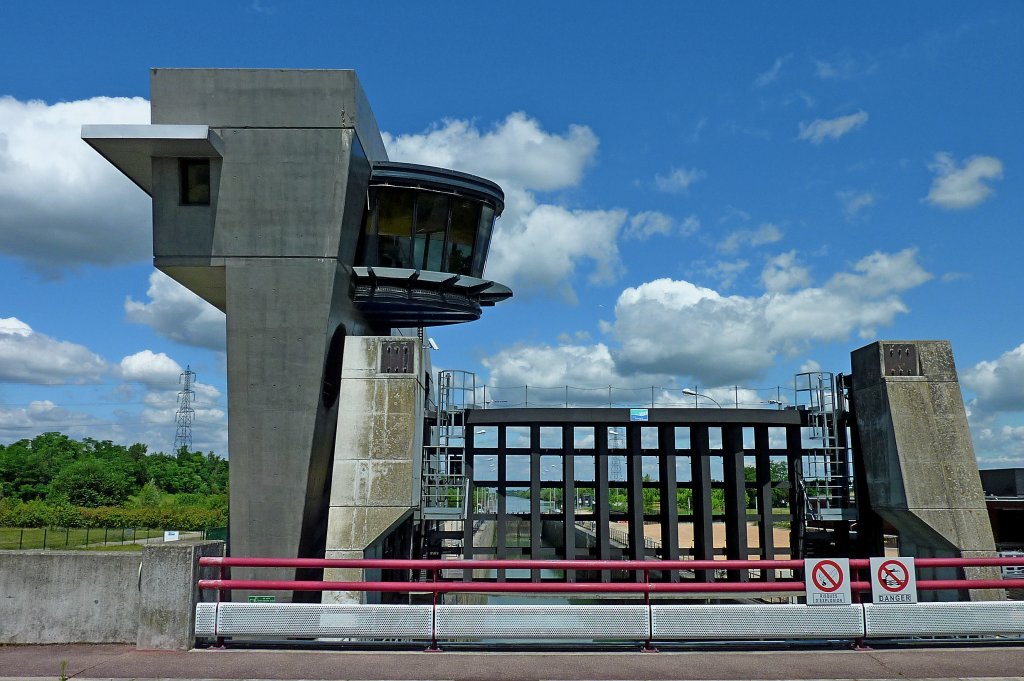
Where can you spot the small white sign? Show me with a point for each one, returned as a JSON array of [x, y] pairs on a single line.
[[171, 535], [893, 580], [827, 581]]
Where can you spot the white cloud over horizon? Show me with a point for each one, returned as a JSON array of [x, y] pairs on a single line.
[[63, 205], [177, 314], [27, 356], [998, 384], [537, 247], [729, 339]]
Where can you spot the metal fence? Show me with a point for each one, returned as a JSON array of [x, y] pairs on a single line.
[[67, 538], [730, 397]]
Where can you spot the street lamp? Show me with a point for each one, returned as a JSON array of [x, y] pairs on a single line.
[[695, 394]]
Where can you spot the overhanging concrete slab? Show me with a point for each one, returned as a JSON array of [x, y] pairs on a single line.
[[131, 148]]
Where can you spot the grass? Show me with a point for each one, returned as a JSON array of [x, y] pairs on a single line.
[[14, 538]]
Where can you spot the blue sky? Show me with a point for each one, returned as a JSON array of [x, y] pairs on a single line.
[[709, 195]]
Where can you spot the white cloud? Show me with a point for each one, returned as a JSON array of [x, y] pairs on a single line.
[[767, 233], [726, 271], [720, 340], [541, 251], [678, 181], [537, 247], [647, 224], [61, 203], [820, 129], [997, 384], [27, 356], [999, 446], [783, 273], [41, 416], [810, 366], [963, 187], [154, 370], [772, 74], [516, 151], [176, 313], [855, 202]]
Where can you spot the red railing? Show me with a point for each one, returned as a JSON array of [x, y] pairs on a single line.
[[434, 567]]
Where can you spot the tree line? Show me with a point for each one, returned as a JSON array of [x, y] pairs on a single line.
[[54, 479]]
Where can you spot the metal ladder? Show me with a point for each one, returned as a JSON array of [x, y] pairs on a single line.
[[443, 484], [826, 476]]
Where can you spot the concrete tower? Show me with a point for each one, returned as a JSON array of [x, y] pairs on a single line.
[[273, 200]]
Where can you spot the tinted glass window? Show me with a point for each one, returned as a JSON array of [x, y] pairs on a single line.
[[431, 221], [483, 241], [465, 216], [394, 227]]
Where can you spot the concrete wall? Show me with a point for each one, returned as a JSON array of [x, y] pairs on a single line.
[[99, 597], [377, 457], [922, 475], [69, 597], [273, 250]]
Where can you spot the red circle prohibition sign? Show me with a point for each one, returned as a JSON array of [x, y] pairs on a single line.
[[896, 572], [825, 581]]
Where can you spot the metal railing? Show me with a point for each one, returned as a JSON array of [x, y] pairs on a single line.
[[653, 621], [726, 397]]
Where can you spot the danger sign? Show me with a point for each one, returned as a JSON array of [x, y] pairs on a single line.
[[893, 580], [827, 581]]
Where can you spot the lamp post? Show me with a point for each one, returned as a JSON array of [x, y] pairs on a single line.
[[695, 394]]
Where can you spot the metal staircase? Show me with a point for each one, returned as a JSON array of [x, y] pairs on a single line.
[[444, 486], [825, 479]]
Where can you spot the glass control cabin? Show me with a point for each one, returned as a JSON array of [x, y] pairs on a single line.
[[423, 245]]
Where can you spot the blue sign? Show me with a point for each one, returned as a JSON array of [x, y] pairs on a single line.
[[637, 414]]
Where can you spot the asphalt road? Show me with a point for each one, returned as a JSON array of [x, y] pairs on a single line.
[[124, 662]]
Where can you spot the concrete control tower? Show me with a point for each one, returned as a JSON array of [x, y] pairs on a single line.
[[274, 200]]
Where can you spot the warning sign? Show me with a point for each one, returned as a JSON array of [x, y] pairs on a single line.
[[827, 581], [893, 580]]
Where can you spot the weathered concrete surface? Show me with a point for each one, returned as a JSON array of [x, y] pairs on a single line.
[[922, 475], [68, 597], [146, 599], [273, 250], [168, 593], [375, 483]]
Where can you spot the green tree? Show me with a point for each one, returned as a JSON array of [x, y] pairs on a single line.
[[91, 482]]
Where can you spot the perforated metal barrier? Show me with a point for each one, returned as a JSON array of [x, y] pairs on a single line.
[[756, 622], [311, 620], [608, 622], [940, 619], [543, 621]]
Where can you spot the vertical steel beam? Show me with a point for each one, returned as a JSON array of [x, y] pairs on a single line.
[[602, 519], [700, 472], [501, 521], [470, 489], [794, 459], [735, 498], [635, 493], [766, 517], [568, 499], [535, 498], [668, 510]]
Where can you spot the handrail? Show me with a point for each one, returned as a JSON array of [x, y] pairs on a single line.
[[584, 564], [645, 566]]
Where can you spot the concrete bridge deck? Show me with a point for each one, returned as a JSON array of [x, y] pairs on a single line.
[[87, 662]]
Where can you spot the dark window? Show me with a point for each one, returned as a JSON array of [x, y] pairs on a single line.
[[431, 222], [394, 226], [465, 216], [195, 181]]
